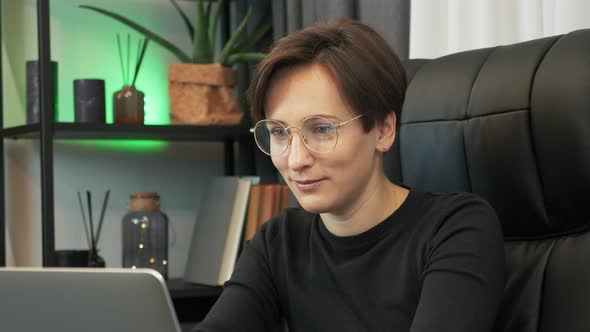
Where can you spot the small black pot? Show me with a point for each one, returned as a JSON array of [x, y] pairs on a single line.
[[89, 104], [33, 98], [78, 258]]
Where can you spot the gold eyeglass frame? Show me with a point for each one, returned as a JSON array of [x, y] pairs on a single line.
[[301, 135]]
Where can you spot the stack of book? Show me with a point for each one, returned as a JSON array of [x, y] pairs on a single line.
[[266, 201]]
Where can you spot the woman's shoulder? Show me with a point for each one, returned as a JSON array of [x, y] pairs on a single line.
[[449, 201], [458, 209]]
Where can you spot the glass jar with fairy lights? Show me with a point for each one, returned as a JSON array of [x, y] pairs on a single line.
[[145, 234]]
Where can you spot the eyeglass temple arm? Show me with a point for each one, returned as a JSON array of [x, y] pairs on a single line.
[[338, 125]]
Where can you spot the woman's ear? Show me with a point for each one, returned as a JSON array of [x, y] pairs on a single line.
[[386, 132]]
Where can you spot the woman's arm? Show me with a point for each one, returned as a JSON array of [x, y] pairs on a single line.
[[463, 278], [249, 299]]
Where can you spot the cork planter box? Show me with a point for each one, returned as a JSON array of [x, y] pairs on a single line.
[[203, 95]]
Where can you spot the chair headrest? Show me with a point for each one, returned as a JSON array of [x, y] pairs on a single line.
[[511, 123]]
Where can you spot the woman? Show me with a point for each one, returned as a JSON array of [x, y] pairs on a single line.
[[363, 254]]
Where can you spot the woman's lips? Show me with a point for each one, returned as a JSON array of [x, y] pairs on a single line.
[[308, 185]]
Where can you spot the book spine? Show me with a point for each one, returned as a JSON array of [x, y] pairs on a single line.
[[253, 210]]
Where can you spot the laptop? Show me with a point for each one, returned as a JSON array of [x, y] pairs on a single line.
[[85, 299]]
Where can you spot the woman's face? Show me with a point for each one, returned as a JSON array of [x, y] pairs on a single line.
[[332, 182]]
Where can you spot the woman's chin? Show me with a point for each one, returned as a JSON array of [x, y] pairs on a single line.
[[312, 205]]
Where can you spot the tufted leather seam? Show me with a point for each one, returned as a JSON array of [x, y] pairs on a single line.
[[468, 175], [542, 295], [466, 119], [577, 231], [532, 136], [492, 51]]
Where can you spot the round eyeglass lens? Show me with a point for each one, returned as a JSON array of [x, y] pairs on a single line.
[[271, 137], [321, 134]]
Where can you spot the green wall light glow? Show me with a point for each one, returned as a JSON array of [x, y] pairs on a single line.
[[140, 146]]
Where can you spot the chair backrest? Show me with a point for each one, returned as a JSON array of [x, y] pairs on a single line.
[[512, 124]]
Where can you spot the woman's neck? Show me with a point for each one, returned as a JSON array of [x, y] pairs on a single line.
[[372, 208]]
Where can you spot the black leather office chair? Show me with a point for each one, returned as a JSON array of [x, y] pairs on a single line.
[[512, 123]]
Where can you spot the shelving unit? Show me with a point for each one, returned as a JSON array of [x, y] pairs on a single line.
[[47, 131]]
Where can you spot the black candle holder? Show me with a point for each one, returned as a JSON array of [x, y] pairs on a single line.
[[33, 85], [89, 101]]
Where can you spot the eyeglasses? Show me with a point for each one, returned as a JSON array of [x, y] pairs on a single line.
[[317, 133]]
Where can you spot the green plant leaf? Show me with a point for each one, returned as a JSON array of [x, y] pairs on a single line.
[[242, 57], [213, 22], [208, 8], [253, 38], [187, 22], [234, 37], [201, 45], [149, 34]]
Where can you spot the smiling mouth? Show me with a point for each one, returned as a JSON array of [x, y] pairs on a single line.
[[307, 181], [308, 185]]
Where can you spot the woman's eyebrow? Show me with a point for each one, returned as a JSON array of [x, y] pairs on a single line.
[[327, 116], [277, 120]]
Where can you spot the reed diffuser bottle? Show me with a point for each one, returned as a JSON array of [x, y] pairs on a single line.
[[145, 234], [128, 103]]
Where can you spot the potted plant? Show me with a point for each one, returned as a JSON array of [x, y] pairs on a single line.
[[201, 86]]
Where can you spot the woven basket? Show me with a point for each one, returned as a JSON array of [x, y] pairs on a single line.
[[203, 95]]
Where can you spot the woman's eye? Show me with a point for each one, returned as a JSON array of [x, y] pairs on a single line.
[[278, 132], [323, 129]]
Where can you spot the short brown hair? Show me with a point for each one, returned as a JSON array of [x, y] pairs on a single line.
[[369, 72]]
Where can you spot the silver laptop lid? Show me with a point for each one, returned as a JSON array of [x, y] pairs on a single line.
[[90, 300]]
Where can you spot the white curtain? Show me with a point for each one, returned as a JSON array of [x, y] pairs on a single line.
[[440, 27]]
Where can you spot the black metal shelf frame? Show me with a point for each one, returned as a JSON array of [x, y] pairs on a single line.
[[47, 111], [68, 130], [2, 174]]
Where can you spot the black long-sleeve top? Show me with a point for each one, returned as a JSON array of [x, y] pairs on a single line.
[[435, 265]]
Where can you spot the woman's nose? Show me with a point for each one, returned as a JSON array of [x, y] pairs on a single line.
[[299, 156]]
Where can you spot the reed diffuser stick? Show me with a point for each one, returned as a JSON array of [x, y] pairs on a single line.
[[101, 219], [84, 219], [121, 59], [138, 52], [128, 56], [89, 198], [138, 64]]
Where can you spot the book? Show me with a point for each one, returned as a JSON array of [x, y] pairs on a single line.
[[218, 231], [285, 197], [276, 207], [268, 200], [252, 216]]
